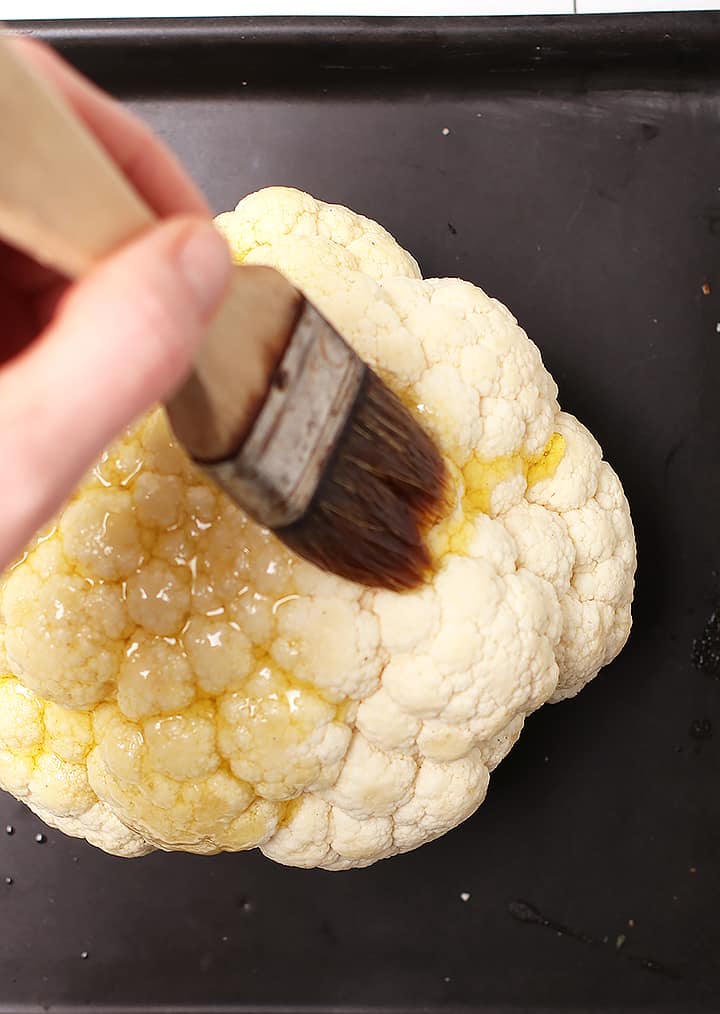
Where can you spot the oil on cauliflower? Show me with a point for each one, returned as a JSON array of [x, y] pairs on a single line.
[[171, 677]]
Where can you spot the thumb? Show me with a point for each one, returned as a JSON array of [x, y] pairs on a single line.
[[121, 339]]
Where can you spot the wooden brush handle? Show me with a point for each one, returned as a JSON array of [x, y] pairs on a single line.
[[62, 199], [65, 203]]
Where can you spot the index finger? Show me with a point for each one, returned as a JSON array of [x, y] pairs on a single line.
[[148, 165]]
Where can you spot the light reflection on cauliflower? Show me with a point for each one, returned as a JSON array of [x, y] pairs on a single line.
[[176, 679]]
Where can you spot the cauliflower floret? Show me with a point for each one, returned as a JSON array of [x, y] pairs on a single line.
[[171, 676]]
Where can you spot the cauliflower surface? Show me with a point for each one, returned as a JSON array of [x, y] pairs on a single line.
[[171, 677]]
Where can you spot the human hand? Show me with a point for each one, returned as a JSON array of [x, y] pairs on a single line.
[[79, 361]]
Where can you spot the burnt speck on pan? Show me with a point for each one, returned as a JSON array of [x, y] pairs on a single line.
[[706, 648], [701, 728]]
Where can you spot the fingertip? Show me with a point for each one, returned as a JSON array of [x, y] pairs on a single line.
[[203, 257], [34, 50]]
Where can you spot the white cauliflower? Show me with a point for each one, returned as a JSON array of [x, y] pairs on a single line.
[[171, 677]]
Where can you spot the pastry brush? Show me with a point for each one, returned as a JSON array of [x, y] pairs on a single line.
[[278, 410]]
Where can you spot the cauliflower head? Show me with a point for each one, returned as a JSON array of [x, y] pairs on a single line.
[[172, 677]]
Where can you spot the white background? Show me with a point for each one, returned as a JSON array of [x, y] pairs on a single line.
[[33, 9]]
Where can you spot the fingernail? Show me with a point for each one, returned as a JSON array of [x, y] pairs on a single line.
[[204, 260]]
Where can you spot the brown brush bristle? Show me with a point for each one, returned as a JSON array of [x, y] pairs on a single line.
[[383, 489]]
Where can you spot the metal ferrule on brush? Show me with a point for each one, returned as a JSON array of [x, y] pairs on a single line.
[[282, 460]]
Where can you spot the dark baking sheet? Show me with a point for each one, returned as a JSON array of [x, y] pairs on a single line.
[[580, 182]]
